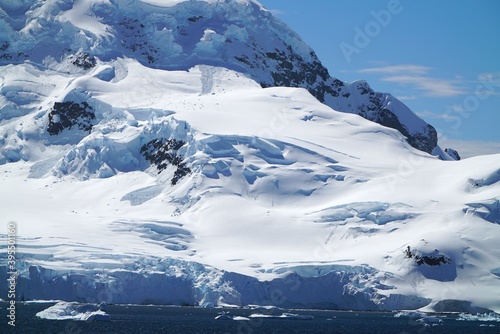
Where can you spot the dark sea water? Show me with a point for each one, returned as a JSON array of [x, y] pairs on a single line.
[[162, 319]]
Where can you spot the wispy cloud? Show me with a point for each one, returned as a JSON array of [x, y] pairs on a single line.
[[397, 69], [426, 114], [431, 87], [418, 77]]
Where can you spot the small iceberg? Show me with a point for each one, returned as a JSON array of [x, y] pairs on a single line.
[[226, 316], [479, 317], [74, 311], [410, 314], [430, 320], [223, 317], [282, 316]]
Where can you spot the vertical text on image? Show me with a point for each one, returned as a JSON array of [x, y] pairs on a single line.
[[12, 272]]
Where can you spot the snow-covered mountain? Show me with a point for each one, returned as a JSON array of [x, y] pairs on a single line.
[[147, 156], [177, 35]]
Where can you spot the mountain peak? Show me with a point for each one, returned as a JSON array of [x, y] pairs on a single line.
[[176, 35]]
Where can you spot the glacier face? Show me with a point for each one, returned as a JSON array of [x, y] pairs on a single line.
[[278, 199], [239, 35]]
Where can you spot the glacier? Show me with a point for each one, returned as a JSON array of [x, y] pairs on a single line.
[[194, 179]]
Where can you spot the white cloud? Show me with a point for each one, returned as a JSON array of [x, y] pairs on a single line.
[[418, 77], [431, 87], [429, 114], [469, 148], [397, 69]]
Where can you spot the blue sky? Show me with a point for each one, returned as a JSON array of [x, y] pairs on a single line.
[[441, 58]]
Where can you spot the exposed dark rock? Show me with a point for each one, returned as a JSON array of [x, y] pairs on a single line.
[[134, 38], [195, 18], [66, 115], [293, 71], [4, 46], [421, 142], [84, 60], [162, 152], [430, 260], [181, 171]]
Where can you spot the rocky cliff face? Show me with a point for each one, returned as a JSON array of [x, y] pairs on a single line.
[[239, 35]]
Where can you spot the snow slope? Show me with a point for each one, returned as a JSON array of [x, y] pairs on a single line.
[[131, 183]]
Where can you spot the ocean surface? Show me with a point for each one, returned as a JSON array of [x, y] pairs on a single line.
[[163, 319]]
